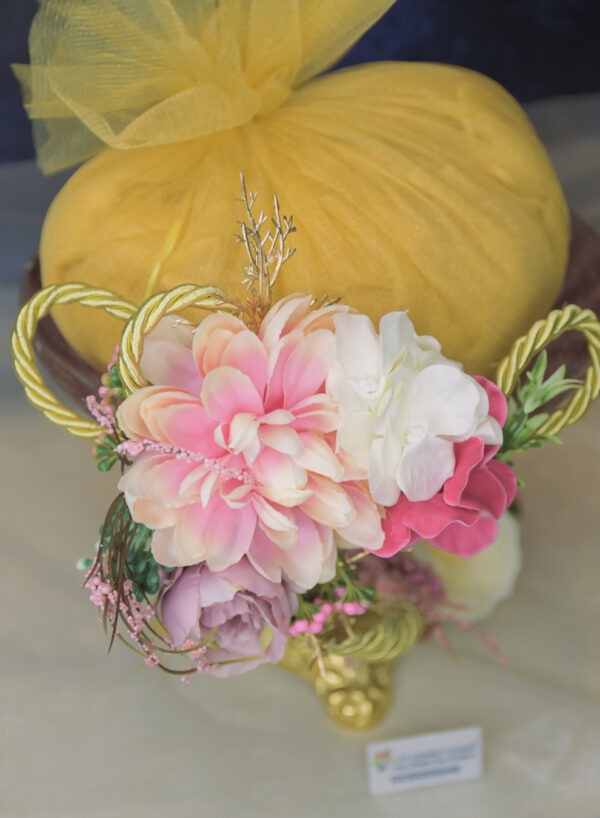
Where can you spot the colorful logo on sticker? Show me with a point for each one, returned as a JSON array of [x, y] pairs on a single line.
[[382, 759]]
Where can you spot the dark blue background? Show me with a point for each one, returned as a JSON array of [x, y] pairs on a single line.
[[536, 48]]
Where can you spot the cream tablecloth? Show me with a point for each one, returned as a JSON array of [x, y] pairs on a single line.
[[86, 736]]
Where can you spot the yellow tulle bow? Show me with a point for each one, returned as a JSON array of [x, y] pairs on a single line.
[[413, 186], [138, 73]]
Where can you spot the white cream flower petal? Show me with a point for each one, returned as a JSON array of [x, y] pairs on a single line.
[[356, 433], [446, 401], [424, 468], [382, 466], [480, 582], [490, 431], [397, 336], [358, 351]]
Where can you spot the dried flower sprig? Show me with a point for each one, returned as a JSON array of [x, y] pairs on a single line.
[[267, 253]]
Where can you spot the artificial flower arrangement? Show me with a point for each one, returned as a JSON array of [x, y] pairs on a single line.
[[283, 464]]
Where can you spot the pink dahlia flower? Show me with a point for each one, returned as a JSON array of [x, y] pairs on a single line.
[[462, 517], [246, 616], [234, 447]]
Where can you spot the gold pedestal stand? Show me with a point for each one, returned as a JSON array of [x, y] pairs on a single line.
[[356, 693], [353, 674]]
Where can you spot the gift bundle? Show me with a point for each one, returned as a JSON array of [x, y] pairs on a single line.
[[315, 467]]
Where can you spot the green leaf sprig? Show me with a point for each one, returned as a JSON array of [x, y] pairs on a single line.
[[521, 430]]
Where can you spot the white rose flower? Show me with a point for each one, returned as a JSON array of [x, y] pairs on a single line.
[[403, 405]]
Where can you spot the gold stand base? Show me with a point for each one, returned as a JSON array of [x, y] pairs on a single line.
[[356, 693]]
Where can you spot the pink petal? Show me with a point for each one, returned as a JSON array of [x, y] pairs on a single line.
[[466, 541], [488, 487], [162, 478], [365, 530], [243, 575], [282, 439], [183, 425], [278, 358], [323, 318], [507, 477], [165, 550], [264, 555], [129, 413], [167, 356], [318, 412], [212, 338], [307, 367], [218, 534], [430, 518], [282, 318], [317, 456], [151, 514], [277, 522], [468, 455], [329, 504], [397, 533], [226, 392], [246, 353], [312, 560], [497, 400], [280, 478]]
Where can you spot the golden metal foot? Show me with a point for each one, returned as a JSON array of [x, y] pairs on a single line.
[[356, 693]]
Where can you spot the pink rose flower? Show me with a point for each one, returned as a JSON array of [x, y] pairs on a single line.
[[234, 447], [462, 517], [246, 615]]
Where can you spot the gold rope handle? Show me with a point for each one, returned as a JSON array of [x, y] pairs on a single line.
[[539, 336], [381, 638], [24, 356], [148, 316]]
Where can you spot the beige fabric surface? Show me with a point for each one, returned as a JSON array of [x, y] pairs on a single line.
[[86, 736]]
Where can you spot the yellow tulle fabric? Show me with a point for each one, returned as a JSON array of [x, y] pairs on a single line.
[[413, 186]]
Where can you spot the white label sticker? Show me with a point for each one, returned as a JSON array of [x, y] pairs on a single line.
[[425, 761]]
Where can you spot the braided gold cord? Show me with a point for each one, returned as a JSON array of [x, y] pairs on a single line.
[[148, 316], [382, 637], [541, 334], [24, 356]]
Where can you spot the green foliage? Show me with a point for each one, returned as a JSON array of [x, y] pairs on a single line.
[[140, 566], [521, 430], [113, 381], [104, 452], [346, 579]]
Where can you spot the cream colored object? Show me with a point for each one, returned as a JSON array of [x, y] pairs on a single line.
[[479, 583], [413, 186]]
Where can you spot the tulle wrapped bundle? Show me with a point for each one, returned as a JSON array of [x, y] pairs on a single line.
[[415, 186]]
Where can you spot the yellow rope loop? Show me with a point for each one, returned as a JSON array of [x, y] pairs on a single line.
[[24, 356], [541, 334], [149, 315], [381, 637]]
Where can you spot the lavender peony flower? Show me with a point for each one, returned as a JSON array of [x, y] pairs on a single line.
[[248, 614]]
